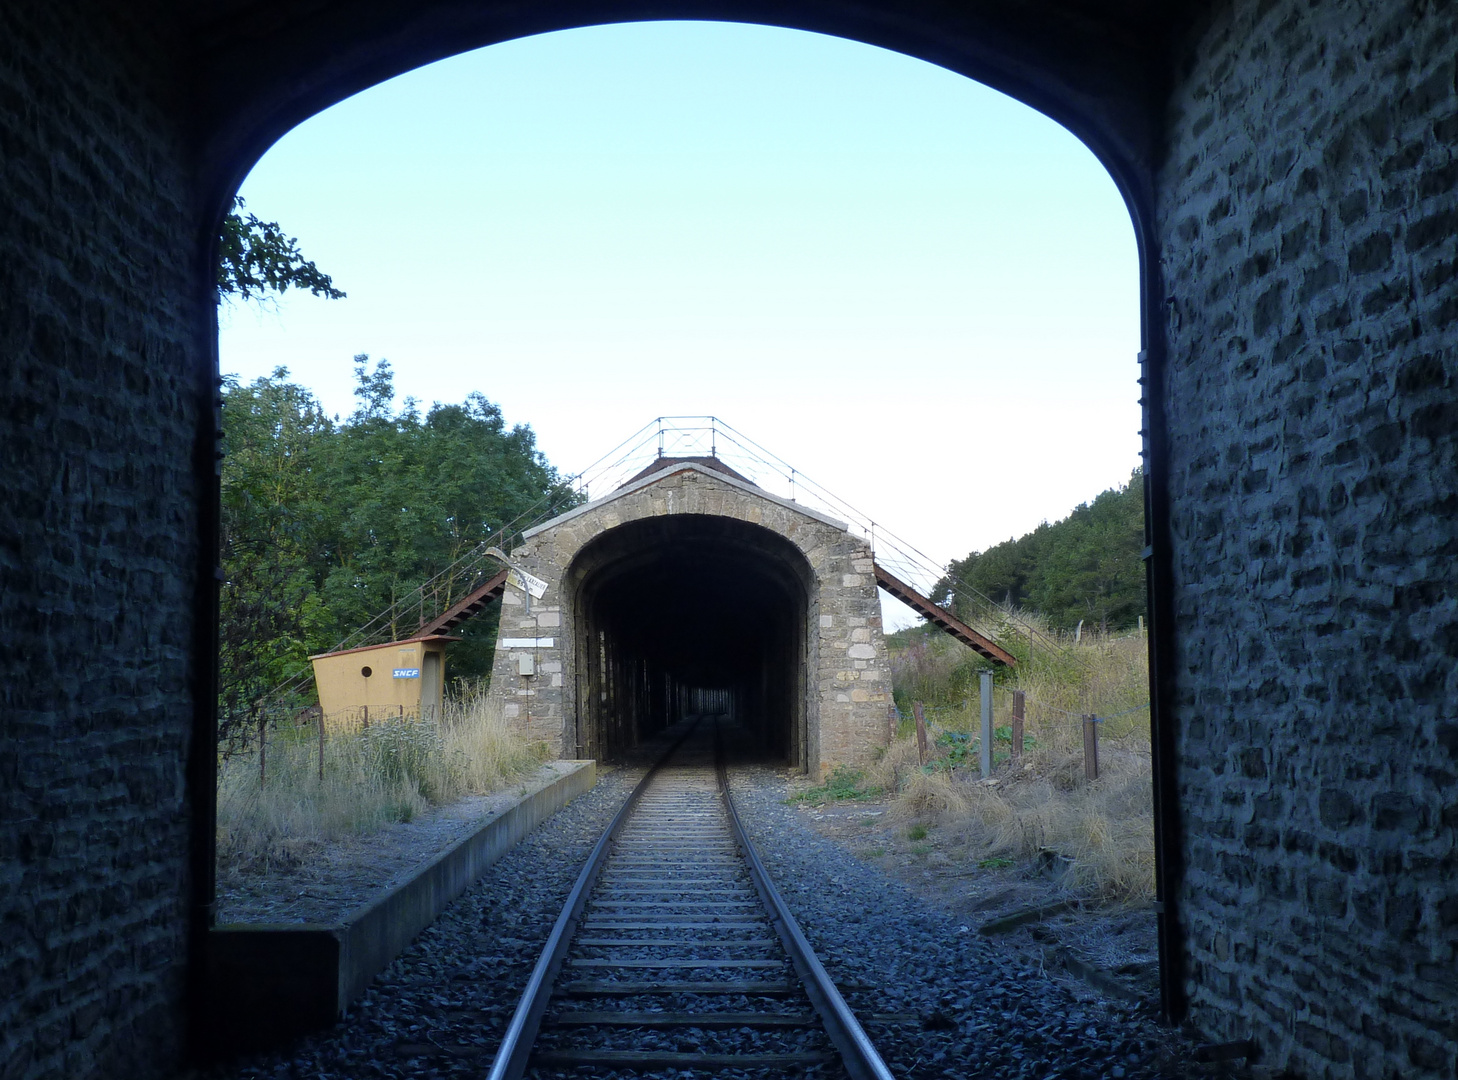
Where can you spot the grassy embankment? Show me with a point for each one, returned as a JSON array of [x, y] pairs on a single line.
[[388, 772], [1043, 803]]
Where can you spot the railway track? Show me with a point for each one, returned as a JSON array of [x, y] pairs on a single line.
[[674, 951]]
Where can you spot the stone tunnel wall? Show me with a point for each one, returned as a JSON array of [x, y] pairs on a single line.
[[1309, 215], [849, 681], [98, 541], [1305, 216]]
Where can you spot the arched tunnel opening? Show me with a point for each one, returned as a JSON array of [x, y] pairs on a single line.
[[686, 614]]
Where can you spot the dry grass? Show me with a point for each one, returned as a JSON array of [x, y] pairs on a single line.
[[1103, 829], [389, 772]]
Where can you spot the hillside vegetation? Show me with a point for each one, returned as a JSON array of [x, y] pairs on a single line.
[[1039, 806], [1038, 809], [1085, 567]]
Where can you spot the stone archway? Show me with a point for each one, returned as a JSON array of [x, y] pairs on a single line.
[[689, 578], [1288, 167], [665, 607]]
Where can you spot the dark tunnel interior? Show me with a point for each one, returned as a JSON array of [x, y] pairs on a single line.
[[684, 614]]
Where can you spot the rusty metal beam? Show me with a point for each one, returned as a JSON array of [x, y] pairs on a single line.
[[473, 603], [943, 619]]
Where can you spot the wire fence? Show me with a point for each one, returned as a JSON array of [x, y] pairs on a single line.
[[949, 735]]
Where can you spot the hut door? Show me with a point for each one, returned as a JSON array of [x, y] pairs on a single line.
[[430, 686]]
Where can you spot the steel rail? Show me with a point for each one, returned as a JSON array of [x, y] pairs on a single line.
[[857, 1051], [516, 1044]]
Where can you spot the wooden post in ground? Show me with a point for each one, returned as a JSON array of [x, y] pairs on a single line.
[[1091, 747], [321, 746], [920, 731], [1020, 705], [986, 681]]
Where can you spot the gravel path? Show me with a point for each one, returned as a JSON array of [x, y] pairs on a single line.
[[938, 1000]]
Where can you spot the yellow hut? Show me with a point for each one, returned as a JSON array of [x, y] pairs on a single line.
[[378, 682]]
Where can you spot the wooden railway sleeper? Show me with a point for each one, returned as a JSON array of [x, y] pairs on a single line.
[[676, 861]]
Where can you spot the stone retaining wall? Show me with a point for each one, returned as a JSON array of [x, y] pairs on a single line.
[[98, 540], [1296, 214], [1309, 217]]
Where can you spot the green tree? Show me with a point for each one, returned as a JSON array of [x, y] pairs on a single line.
[[1084, 567], [274, 436], [256, 258], [327, 524], [415, 492]]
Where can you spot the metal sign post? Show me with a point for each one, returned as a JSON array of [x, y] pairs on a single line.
[[986, 681]]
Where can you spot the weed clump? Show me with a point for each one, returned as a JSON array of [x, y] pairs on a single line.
[[844, 783], [391, 771], [1041, 800]]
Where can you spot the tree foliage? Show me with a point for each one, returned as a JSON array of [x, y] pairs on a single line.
[[326, 523], [257, 257], [1084, 567]]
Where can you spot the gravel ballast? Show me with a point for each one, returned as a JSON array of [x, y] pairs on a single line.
[[938, 1000], [439, 1010], [956, 1005]]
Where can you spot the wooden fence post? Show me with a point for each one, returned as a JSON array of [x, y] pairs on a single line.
[[1091, 747], [1020, 700], [920, 731], [986, 681], [321, 746]]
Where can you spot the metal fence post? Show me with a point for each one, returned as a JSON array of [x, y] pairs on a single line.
[[1020, 704], [920, 731], [986, 680], [1091, 747]]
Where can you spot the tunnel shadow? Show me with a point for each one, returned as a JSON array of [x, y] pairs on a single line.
[[691, 614]]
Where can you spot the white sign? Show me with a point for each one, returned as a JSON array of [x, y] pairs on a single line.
[[527, 642], [407, 673], [533, 586]]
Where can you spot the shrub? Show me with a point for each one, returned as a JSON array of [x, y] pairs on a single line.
[[391, 771], [1105, 827]]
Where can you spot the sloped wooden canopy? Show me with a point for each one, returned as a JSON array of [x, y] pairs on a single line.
[[943, 619]]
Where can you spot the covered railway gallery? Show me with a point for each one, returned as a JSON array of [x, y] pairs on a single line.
[[689, 589]]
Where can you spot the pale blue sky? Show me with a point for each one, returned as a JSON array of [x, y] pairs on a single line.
[[917, 291]]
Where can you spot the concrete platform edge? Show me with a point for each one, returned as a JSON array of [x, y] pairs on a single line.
[[269, 983]]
